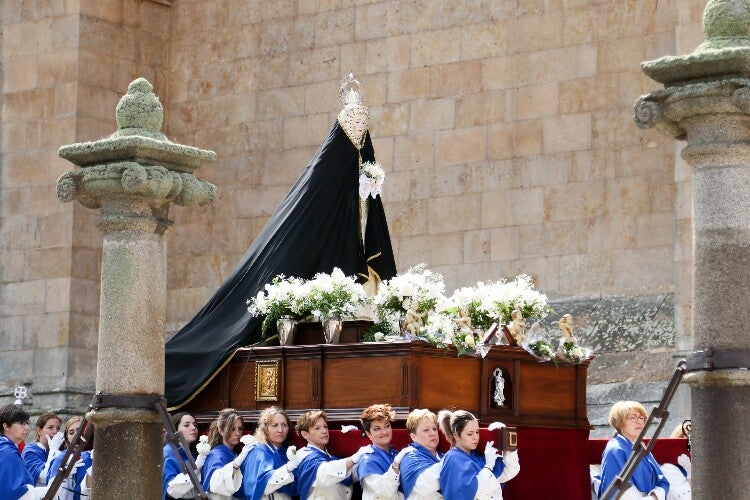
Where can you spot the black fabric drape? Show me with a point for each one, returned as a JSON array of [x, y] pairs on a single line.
[[316, 228]]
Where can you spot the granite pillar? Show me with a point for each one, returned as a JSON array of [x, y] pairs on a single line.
[[706, 102], [133, 177]]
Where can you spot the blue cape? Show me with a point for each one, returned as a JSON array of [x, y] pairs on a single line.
[[171, 465], [34, 457], [413, 464], [54, 466], [258, 468], [647, 475], [458, 477], [13, 473], [377, 462], [217, 458], [308, 469]]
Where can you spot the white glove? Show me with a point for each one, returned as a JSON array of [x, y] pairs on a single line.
[[76, 466], [360, 452], [297, 458], [243, 454], [490, 454], [495, 426], [200, 460], [55, 442], [347, 428], [401, 454], [684, 462]]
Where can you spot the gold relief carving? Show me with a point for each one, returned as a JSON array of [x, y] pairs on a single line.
[[267, 380]]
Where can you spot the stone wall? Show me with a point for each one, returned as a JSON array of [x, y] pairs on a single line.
[[67, 64], [505, 128]]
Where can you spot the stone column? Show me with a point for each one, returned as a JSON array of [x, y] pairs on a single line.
[[706, 102], [133, 176]]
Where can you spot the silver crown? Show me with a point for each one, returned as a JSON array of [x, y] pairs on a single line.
[[351, 92]]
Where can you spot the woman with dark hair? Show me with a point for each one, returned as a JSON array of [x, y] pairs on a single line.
[[268, 472], [177, 484], [221, 477], [627, 419], [466, 475], [420, 467], [48, 440], [378, 471], [320, 474], [78, 481], [323, 222], [16, 482]]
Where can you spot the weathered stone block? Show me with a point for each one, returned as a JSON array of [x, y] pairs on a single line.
[[484, 108], [304, 130], [493, 208], [505, 243], [408, 218], [460, 146], [21, 73], [524, 206], [432, 114], [391, 119], [505, 72], [454, 213], [377, 20], [567, 133], [535, 102], [480, 41], [555, 65], [430, 48], [457, 78], [537, 32], [387, 54], [579, 201], [528, 137], [501, 141], [413, 151], [477, 246], [408, 85]]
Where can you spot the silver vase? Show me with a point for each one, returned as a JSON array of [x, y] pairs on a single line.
[[332, 330], [286, 326]]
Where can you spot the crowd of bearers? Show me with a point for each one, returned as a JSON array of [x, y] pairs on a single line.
[[268, 467]]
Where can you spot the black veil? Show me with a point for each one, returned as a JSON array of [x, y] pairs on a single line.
[[316, 228]]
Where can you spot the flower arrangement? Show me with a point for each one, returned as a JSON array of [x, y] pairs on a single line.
[[416, 293], [333, 295], [540, 348], [491, 302], [570, 351], [291, 451], [282, 297], [371, 179], [465, 343], [203, 447]]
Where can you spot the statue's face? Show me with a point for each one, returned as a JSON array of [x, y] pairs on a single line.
[[359, 125], [354, 120]]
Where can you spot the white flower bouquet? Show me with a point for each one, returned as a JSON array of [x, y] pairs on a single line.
[[333, 295], [414, 295], [493, 302], [290, 452], [570, 351], [282, 297], [371, 178], [538, 346], [203, 447]]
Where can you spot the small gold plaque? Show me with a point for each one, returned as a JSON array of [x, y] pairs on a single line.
[[267, 380]]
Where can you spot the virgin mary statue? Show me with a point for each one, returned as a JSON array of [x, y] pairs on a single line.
[[322, 223]]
